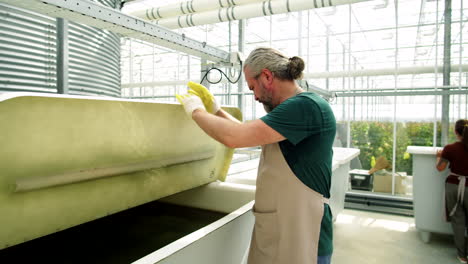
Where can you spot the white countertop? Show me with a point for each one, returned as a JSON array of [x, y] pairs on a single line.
[[340, 156], [245, 171], [344, 155], [422, 150]]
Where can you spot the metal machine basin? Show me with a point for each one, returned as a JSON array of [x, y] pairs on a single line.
[[171, 230]]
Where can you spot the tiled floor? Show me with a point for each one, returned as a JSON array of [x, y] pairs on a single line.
[[364, 237], [368, 238]]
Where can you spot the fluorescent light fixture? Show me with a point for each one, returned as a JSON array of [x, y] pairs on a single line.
[[388, 36], [429, 32], [382, 4], [329, 11]]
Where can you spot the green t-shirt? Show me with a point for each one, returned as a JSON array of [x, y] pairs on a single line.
[[309, 126]]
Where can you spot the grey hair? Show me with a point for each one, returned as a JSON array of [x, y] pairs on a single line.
[[283, 68]]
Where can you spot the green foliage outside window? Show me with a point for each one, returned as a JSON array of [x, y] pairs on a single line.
[[375, 139]]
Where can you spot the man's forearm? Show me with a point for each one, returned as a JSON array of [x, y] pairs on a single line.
[[233, 133], [221, 126]]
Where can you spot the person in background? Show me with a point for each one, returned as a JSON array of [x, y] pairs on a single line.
[[293, 221], [455, 155]]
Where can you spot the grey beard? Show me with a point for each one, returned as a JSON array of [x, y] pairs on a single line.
[[268, 107]]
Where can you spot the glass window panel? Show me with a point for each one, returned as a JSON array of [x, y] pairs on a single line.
[[372, 44], [375, 141]]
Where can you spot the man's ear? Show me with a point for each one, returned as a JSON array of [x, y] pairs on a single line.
[[268, 76]]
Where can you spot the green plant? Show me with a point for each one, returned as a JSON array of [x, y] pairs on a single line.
[[375, 139]]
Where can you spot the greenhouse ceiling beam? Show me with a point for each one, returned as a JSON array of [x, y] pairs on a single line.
[[371, 93], [386, 28], [96, 15], [463, 91], [319, 75], [354, 51], [239, 93], [383, 71], [421, 88]]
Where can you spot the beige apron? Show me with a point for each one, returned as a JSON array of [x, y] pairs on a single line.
[[460, 195], [287, 213]]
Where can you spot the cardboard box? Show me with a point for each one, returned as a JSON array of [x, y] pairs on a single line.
[[383, 182]]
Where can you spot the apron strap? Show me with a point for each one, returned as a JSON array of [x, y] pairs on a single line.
[[325, 200], [460, 192]]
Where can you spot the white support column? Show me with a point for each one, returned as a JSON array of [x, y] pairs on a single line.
[[240, 83]]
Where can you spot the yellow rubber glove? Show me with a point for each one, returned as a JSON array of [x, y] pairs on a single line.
[[205, 95], [190, 103]]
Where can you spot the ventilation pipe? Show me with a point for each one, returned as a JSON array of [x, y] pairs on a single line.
[[237, 12], [188, 7]]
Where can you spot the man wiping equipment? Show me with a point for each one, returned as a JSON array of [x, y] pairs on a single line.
[[293, 221]]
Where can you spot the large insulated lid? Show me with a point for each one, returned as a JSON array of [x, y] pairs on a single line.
[[66, 160]]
